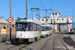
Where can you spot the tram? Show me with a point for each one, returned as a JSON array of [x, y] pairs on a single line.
[[28, 30], [46, 30]]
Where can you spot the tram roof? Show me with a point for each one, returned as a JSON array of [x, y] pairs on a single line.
[[28, 20]]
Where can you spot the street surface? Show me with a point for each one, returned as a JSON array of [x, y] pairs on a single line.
[[53, 42]]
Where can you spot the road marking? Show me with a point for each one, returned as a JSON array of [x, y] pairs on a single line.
[[63, 47], [59, 47], [70, 47]]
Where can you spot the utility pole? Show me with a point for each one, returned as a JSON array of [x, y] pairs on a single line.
[[46, 16], [10, 23], [26, 10], [10, 9]]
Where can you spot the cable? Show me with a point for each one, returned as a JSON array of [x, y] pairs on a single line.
[[51, 4], [31, 3], [42, 4], [36, 4]]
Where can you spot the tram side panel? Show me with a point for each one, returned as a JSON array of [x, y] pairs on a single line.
[[30, 35]]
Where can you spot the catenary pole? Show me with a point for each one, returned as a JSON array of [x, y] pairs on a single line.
[[26, 10], [10, 23]]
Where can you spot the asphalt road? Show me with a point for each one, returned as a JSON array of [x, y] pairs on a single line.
[[53, 42]]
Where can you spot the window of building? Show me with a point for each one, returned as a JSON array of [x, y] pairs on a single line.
[[46, 19], [57, 19], [42, 20], [67, 18], [71, 18], [55, 13], [62, 18], [51, 20], [7, 25], [12, 25]]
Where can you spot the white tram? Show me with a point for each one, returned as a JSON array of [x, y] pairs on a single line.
[[46, 30], [28, 30]]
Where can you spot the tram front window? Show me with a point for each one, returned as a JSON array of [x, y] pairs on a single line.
[[22, 26]]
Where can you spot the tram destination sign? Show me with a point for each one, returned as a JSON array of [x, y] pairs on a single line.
[[22, 20]]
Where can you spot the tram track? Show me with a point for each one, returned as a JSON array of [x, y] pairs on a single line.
[[50, 43], [45, 44], [16, 46], [59, 37], [19, 47]]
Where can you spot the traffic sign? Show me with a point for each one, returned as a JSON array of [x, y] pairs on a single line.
[[10, 19]]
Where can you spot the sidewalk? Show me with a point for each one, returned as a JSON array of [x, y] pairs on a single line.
[[73, 37], [8, 37]]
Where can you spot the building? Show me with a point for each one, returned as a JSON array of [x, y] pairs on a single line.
[[5, 23], [57, 21]]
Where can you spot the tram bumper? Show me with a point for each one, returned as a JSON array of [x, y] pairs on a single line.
[[21, 40]]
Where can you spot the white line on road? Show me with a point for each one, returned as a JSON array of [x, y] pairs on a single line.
[[59, 47], [63, 47]]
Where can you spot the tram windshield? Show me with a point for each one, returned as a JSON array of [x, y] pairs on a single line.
[[22, 26]]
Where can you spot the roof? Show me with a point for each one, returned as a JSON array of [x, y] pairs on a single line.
[[3, 20], [65, 16], [1, 17], [59, 17], [45, 17], [55, 12]]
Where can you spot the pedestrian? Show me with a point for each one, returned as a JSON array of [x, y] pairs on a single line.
[[3, 33]]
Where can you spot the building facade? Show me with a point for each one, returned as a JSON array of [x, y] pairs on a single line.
[[57, 21], [4, 23]]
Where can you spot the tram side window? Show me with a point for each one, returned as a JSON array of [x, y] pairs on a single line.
[[31, 26], [39, 28], [28, 27], [50, 28], [43, 29], [47, 28], [34, 27]]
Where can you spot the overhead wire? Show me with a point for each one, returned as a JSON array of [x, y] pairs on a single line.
[[51, 4], [42, 4], [31, 3], [32, 6], [36, 3]]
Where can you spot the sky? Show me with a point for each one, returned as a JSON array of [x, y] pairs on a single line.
[[65, 7]]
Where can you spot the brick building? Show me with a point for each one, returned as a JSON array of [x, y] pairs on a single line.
[[5, 23]]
